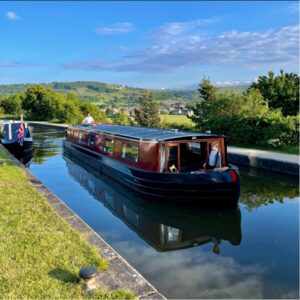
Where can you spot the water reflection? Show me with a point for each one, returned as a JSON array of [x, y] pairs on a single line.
[[47, 143], [264, 265], [165, 228], [24, 157], [261, 188]]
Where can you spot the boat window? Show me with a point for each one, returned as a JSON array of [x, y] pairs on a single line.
[[92, 140], [81, 138], [195, 147], [130, 152], [108, 145]]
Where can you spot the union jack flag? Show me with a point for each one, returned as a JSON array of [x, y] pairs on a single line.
[[21, 134]]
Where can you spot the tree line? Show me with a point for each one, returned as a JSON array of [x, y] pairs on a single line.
[[266, 114]]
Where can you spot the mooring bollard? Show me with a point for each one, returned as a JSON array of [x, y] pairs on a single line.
[[88, 274]]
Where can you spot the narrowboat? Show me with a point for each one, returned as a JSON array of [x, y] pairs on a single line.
[[164, 227], [161, 163], [15, 136]]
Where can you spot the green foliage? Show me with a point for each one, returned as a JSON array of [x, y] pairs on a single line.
[[207, 94], [147, 113], [96, 113], [247, 119], [121, 119], [206, 90], [180, 122], [41, 102], [12, 104], [69, 112], [262, 190], [280, 91], [109, 94]]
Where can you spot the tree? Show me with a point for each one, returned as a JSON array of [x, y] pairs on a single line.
[[121, 119], [207, 93], [41, 102], [206, 90], [12, 104], [147, 114], [96, 113], [280, 91]]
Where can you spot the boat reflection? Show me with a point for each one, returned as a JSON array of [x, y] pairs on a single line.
[[164, 227], [24, 157]]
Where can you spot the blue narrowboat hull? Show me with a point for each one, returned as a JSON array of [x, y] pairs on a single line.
[[212, 188]]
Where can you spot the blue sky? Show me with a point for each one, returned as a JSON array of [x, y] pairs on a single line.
[[147, 44]]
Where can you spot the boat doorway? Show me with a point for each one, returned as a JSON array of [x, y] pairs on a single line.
[[184, 157], [173, 162]]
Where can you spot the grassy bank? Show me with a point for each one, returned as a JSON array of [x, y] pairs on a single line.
[[176, 119], [40, 254]]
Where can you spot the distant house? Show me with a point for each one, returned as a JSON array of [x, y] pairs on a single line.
[[181, 111]]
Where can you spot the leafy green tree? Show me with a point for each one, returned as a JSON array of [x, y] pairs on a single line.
[[280, 91], [41, 102], [96, 113], [12, 104], [147, 114], [121, 119], [69, 112]]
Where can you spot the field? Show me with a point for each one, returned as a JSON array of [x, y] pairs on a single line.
[[177, 119]]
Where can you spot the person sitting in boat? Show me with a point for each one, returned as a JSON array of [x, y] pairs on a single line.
[[214, 159], [88, 120]]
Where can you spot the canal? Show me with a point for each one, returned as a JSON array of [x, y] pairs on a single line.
[[251, 252]]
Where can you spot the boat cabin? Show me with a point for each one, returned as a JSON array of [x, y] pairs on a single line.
[[150, 149]]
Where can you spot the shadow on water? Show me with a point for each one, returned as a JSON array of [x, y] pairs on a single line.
[[164, 227]]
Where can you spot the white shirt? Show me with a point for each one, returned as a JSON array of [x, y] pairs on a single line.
[[88, 120], [212, 158]]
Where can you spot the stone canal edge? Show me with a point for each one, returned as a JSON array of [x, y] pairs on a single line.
[[120, 273]]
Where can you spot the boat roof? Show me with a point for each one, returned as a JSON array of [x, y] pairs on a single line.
[[145, 134]]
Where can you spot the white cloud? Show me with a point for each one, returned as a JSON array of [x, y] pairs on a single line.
[[230, 83], [201, 275], [10, 64], [12, 15], [117, 28], [17, 64], [118, 48], [179, 45]]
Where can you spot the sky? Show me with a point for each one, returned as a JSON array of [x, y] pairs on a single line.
[[150, 44]]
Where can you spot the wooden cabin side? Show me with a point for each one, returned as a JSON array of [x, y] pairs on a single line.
[[141, 154]]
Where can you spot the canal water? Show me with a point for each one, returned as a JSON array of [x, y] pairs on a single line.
[[250, 252]]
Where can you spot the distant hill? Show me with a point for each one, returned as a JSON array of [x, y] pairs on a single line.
[[111, 94]]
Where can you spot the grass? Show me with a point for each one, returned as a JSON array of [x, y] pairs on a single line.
[[40, 254], [178, 119]]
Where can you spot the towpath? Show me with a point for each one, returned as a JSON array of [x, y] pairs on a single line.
[[268, 160]]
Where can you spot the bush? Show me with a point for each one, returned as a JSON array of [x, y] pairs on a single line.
[[12, 104], [96, 113]]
